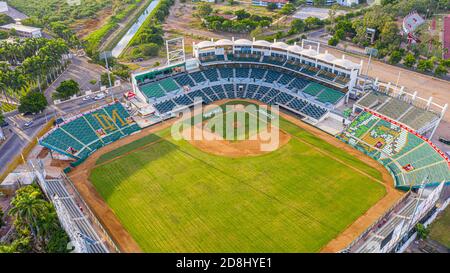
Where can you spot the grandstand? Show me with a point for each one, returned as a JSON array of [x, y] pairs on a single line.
[[410, 158], [421, 115], [232, 82], [83, 134], [74, 220], [299, 59], [297, 78]]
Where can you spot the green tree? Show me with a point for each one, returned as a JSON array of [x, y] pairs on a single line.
[[445, 63], [395, 57], [5, 19], [425, 65], [19, 245], [204, 9], [422, 231], [149, 50], [242, 14], [104, 79], [409, 60], [33, 102], [390, 33], [312, 22], [27, 206], [272, 6], [287, 9], [440, 70], [333, 41], [297, 26], [67, 89]]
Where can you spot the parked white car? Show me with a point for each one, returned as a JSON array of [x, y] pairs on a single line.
[[100, 96]]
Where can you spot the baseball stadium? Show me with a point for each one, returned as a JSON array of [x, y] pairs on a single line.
[[351, 151]]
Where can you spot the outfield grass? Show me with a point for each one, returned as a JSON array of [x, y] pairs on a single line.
[[439, 230], [172, 197]]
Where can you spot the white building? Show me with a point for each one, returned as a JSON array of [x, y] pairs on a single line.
[[3, 7], [265, 3], [347, 3], [327, 2], [23, 31]]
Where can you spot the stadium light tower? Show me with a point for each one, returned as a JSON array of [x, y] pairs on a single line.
[[106, 55], [175, 50]]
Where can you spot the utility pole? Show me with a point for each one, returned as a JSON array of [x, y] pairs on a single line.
[[398, 78], [106, 55]]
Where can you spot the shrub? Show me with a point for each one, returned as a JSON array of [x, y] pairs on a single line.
[[33, 102], [67, 89], [440, 70], [409, 60], [333, 41]]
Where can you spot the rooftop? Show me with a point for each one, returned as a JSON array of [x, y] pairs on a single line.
[[19, 27]]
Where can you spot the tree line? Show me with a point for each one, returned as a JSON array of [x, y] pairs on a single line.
[[28, 66], [36, 225], [388, 40]]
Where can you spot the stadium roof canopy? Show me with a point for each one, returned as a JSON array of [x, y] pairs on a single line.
[[326, 57], [345, 63], [307, 52], [243, 42], [280, 45], [262, 43], [224, 42], [204, 44], [295, 48]]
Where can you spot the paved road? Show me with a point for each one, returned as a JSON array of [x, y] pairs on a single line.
[[82, 72], [19, 135]]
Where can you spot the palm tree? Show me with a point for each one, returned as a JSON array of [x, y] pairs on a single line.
[[29, 207], [33, 67]]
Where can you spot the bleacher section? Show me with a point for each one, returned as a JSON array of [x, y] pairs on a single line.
[[169, 85], [398, 109], [211, 74], [153, 90], [84, 134], [329, 95], [393, 108], [213, 83], [418, 118], [410, 159], [373, 99], [309, 69], [65, 202], [265, 94], [184, 80]]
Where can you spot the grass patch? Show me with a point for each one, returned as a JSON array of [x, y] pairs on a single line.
[[439, 230], [7, 107]]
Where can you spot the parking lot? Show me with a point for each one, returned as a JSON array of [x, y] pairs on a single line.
[[321, 13]]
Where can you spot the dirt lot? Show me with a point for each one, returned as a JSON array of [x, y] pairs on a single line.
[[126, 243], [84, 27]]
